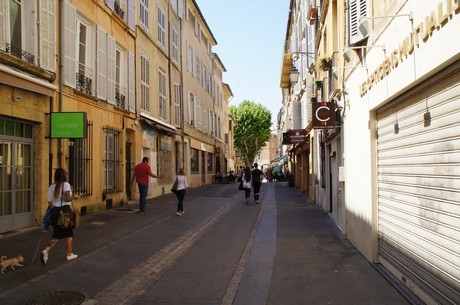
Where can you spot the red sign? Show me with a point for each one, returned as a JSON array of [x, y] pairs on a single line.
[[324, 115]]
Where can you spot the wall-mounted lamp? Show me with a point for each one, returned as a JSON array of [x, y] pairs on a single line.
[[294, 75]]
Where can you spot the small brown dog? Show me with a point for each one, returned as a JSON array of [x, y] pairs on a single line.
[[12, 262]]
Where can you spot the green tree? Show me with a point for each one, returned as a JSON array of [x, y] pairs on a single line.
[[252, 129]]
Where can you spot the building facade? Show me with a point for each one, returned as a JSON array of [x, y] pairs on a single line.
[[391, 162], [120, 69]]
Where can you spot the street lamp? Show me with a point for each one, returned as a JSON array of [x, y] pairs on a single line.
[[294, 74]]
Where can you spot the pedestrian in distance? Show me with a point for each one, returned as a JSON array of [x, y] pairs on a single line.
[[257, 177], [247, 179], [60, 198], [181, 190], [141, 175], [240, 174]]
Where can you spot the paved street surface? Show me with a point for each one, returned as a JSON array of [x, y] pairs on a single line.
[[282, 251]]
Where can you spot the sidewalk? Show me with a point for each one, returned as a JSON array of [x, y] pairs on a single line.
[[297, 256]]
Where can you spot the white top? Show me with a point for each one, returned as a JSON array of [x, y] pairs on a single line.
[[182, 182], [57, 201], [246, 184]]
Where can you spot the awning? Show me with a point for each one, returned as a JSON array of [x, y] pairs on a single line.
[[281, 160], [286, 71], [157, 125]]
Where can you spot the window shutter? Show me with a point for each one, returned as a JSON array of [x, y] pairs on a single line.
[[111, 62], [70, 40], [131, 21], [180, 10], [47, 35], [101, 58], [2, 26], [111, 4], [131, 83], [358, 9]]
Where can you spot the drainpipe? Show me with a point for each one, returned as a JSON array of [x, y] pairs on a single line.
[[182, 96], [61, 68]]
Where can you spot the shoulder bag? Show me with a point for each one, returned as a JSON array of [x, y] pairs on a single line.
[[174, 187], [68, 219]]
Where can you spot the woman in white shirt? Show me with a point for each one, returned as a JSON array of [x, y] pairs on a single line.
[[247, 183], [182, 185]]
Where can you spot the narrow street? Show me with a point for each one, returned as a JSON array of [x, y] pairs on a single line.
[[221, 251]]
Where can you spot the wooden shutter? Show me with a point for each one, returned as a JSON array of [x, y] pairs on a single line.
[[358, 9], [111, 4], [48, 35], [70, 40], [101, 58], [131, 16], [2, 26], [111, 62], [131, 83]]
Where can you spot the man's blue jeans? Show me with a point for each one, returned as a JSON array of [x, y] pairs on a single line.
[[143, 190]]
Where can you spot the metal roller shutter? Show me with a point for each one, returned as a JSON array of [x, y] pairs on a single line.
[[418, 151]]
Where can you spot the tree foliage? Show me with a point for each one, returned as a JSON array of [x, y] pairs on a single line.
[[252, 129]]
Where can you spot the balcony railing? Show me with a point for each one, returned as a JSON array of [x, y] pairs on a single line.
[[84, 84], [19, 53], [120, 100], [118, 10]]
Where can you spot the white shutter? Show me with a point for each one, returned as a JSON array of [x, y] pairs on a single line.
[[111, 62], [70, 40], [358, 9], [48, 35], [131, 15], [180, 9], [111, 4], [131, 83], [418, 150], [2, 26], [101, 58]]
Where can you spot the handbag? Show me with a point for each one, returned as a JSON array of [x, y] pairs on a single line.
[[174, 187], [241, 185], [68, 219]]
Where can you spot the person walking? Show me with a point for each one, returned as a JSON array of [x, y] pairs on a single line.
[[257, 176], [141, 175], [181, 190], [247, 179], [60, 198], [240, 174]]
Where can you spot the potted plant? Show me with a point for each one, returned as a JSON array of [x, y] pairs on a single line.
[[324, 62]]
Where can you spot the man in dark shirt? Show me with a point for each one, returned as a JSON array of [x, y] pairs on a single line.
[[257, 177]]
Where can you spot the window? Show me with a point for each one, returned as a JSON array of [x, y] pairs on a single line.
[[120, 81], [162, 95], [191, 109], [175, 45], [161, 27], [81, 163], [124, 9], [194, 164], [210, 167], [145, 84], [177, 105], [144, 13], [112, 163], [198, 68], [190, 59], [84, 73]]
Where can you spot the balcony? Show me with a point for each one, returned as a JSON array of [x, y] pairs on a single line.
[[84, 84], [19, 53], [118, 10], [120, 100]]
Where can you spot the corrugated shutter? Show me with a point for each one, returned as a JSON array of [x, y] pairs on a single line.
[[419, 188]]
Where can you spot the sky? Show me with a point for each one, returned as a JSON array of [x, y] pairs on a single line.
[[250, 37]]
